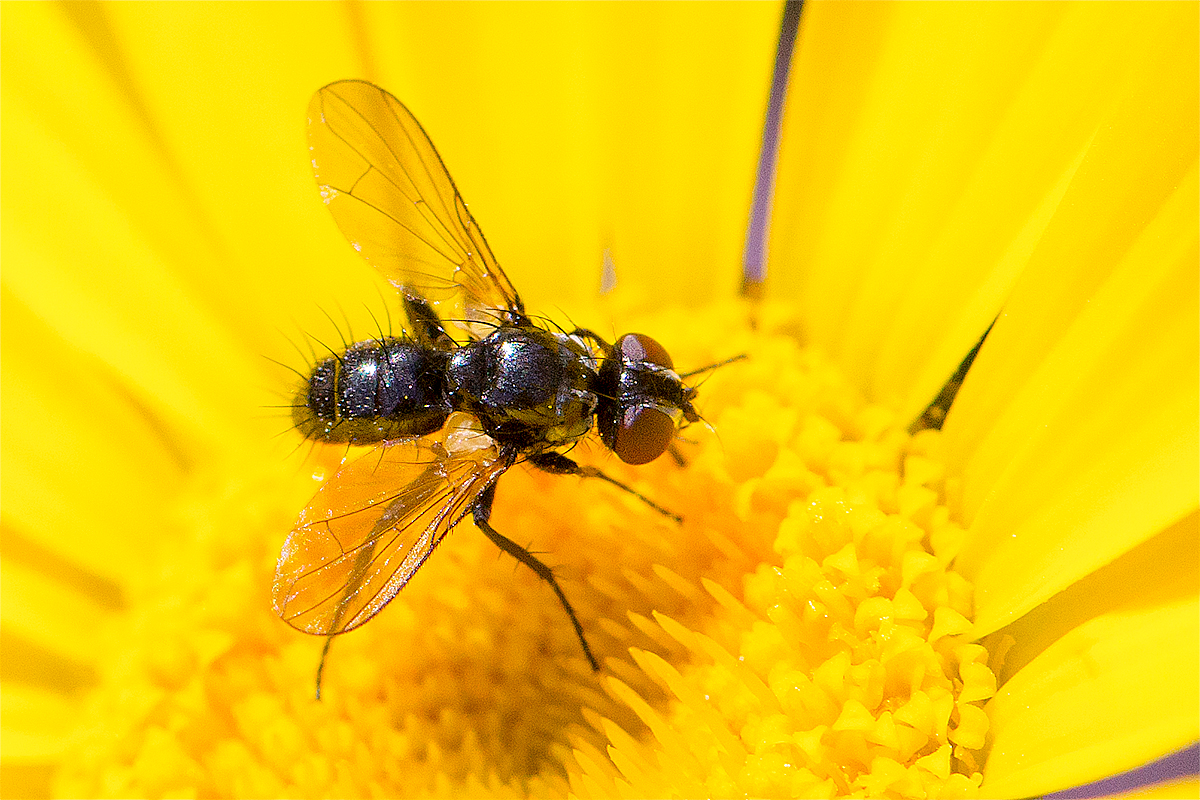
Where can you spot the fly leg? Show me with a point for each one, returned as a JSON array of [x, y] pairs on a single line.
[[676, 455], [321, 665], [426, 325], [559, 464], [584, 333], [480, 513]]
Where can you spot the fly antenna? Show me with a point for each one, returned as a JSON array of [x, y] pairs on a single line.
[[710, 367]]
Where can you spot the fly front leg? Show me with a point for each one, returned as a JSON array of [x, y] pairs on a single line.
[[559, 464], [480, 512]]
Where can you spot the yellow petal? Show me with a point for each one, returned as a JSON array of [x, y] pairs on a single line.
[[1071, 463], [34, 719], [1151, 578], [923, 167], [81, 458], [1118, 691], [634, 128], [224, 91], [85, 240], [41, 616], [643, 145]]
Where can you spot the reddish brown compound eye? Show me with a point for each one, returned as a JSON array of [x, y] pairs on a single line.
[[640, 347], [644, 435]]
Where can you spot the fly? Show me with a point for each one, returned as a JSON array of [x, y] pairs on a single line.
[[446, 414]]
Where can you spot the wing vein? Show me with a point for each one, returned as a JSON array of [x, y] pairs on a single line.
[[402, 210], [443, 231]]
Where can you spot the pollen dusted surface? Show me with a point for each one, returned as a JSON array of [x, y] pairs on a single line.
[[800, 634]]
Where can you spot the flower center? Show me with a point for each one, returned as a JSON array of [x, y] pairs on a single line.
[[801, 633], [844, 666]]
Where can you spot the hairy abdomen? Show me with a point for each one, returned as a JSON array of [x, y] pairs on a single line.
[[374, 391]]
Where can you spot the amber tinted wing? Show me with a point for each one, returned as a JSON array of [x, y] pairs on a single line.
[[371, 527], [391, 195]]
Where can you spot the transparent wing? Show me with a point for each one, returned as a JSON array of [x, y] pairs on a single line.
[[391, 195], [371, 527]]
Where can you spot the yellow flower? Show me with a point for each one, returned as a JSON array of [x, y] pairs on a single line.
[[847, 609]]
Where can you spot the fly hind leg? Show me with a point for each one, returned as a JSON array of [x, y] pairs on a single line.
[[426, 326], [559, 464], [480, 512]]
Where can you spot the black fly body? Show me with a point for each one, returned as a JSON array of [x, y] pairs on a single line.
[[446, 416]]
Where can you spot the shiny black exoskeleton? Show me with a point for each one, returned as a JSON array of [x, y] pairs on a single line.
[[532, 389]]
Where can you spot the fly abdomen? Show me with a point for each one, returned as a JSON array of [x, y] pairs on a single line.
[[374, 391]]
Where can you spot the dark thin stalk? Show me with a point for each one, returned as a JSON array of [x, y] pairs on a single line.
[[754, 257]]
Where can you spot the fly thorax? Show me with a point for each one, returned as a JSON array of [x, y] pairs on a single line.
[[526, 385]]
